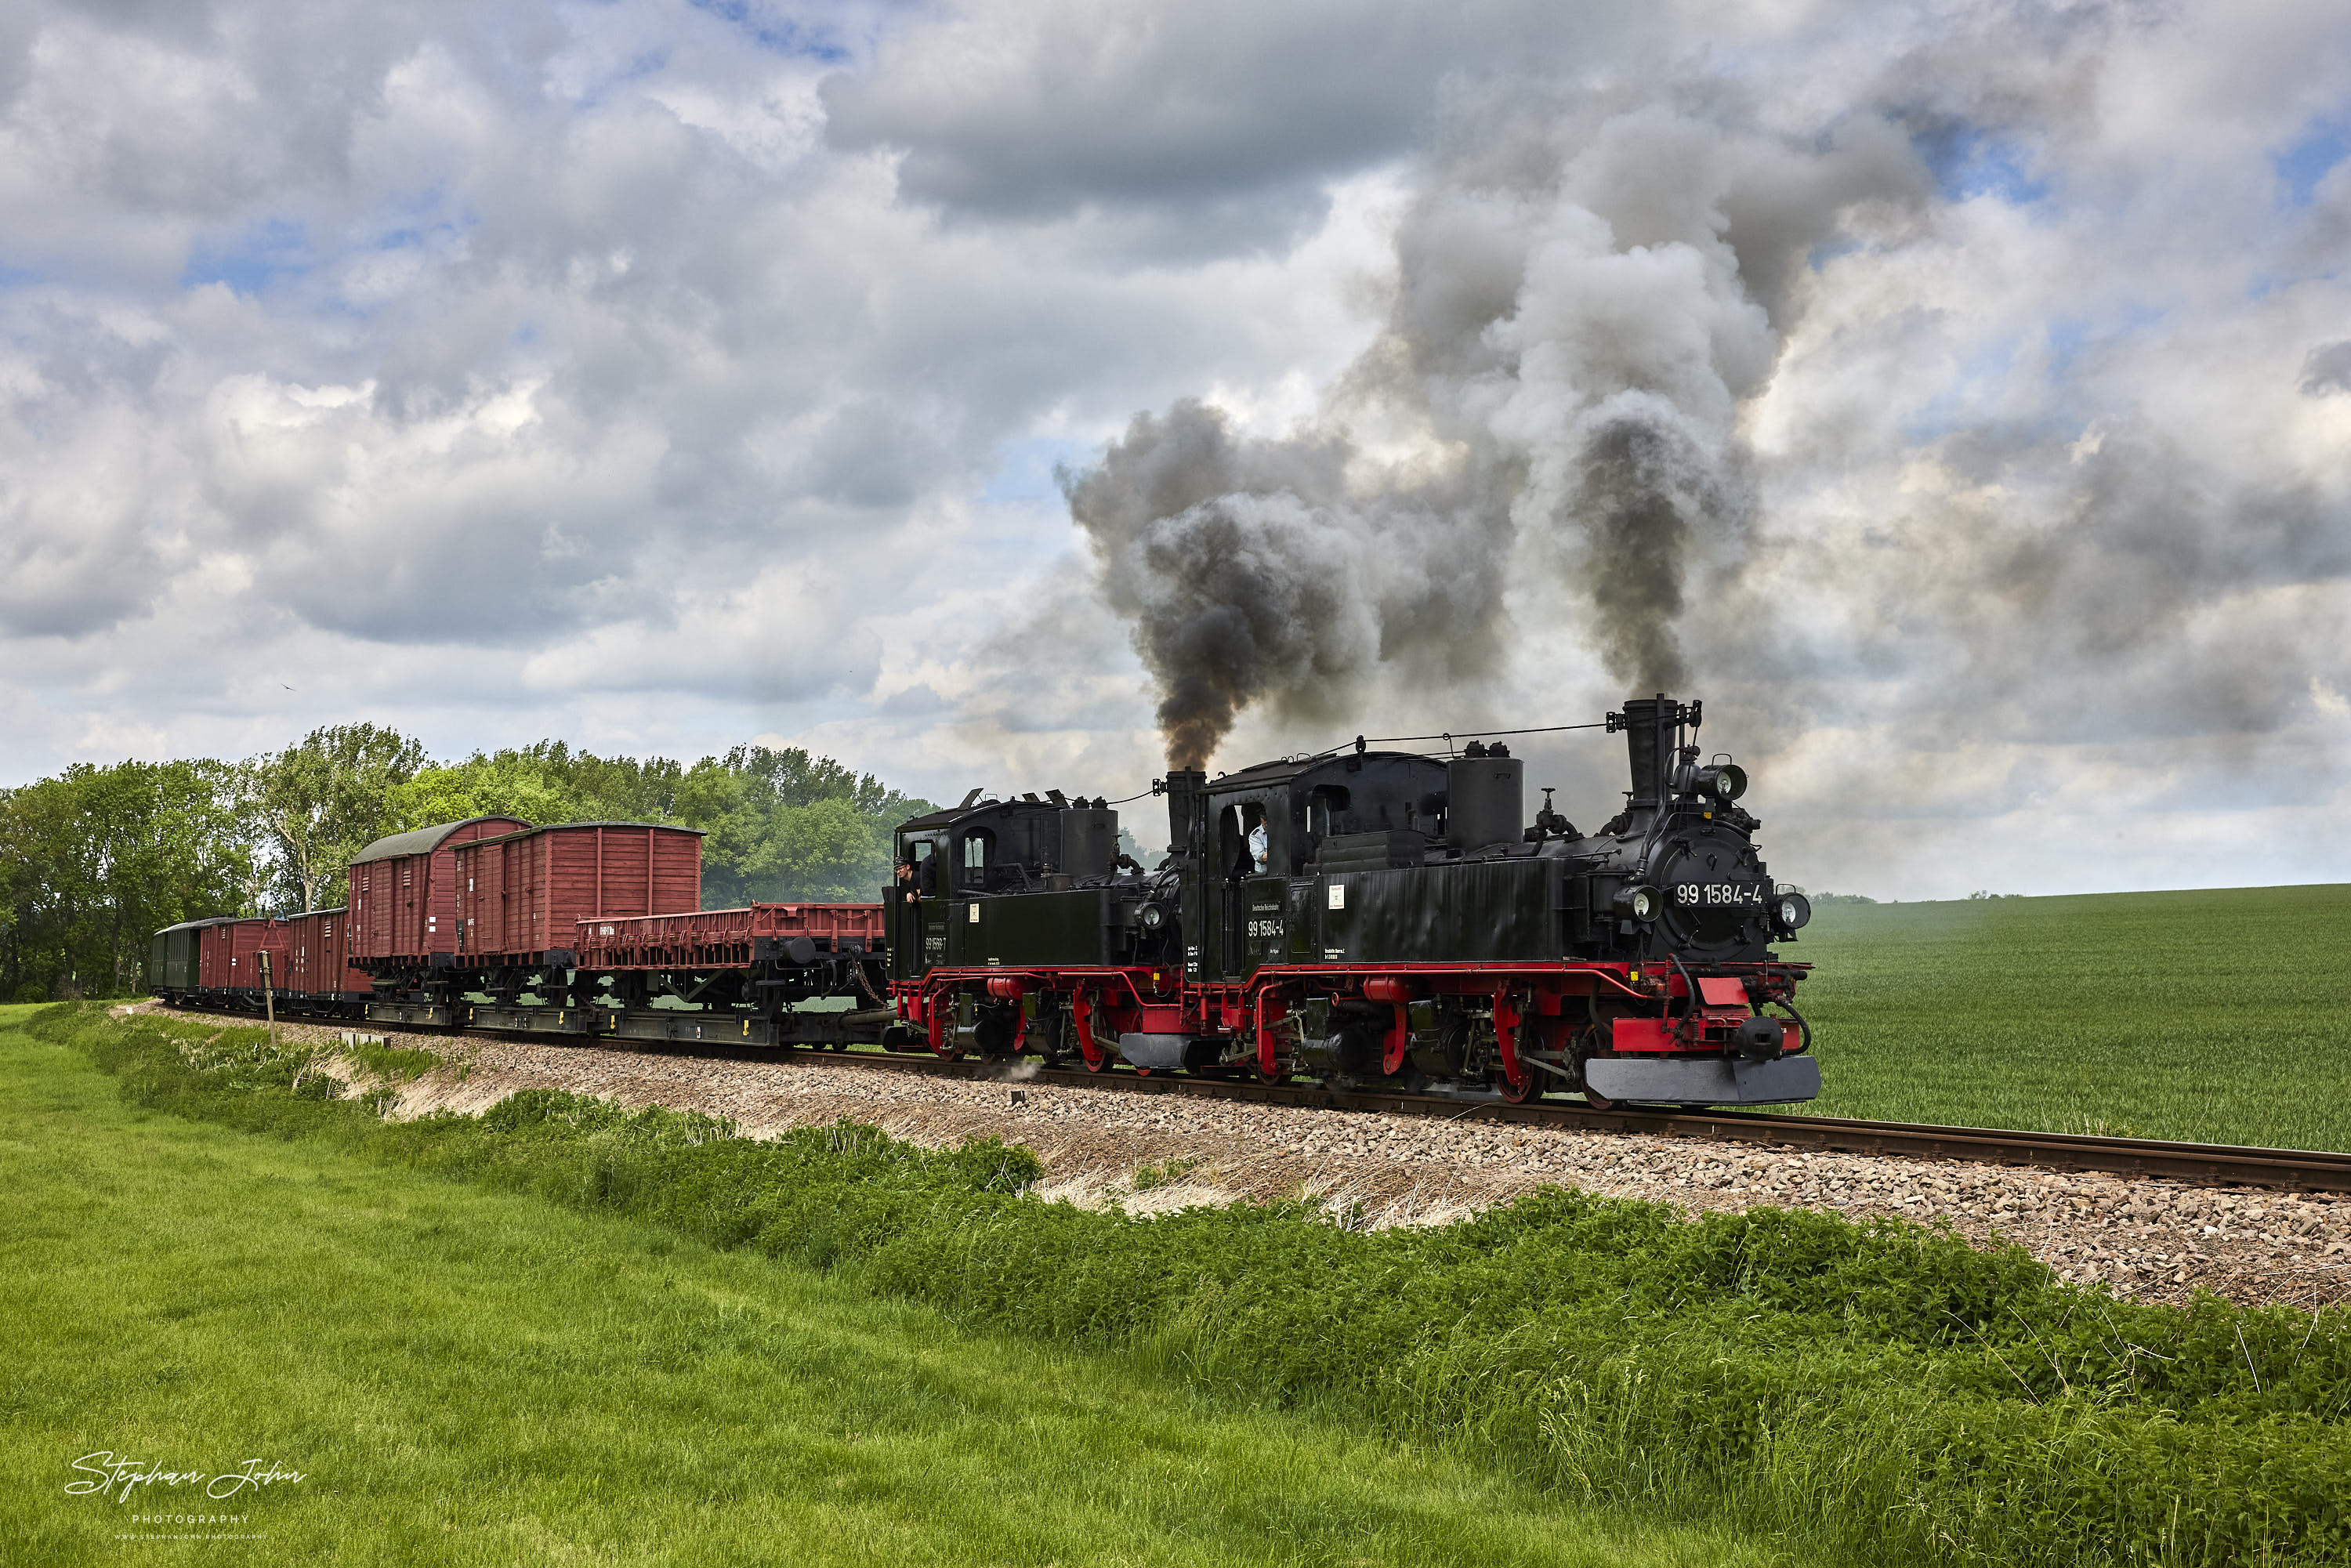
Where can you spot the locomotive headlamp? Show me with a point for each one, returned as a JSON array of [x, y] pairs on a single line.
[[1643, 904], [1721, 783], [1152, 916], [1792, 910]]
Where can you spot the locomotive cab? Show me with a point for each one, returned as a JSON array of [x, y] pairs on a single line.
[[1008, 882]]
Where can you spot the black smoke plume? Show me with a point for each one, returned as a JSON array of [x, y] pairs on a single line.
[[1259, 571], [1567, 350]]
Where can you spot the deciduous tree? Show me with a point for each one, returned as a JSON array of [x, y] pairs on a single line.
[[320, 803]]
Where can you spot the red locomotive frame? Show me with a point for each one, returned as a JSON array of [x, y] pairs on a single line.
[[1528, 1002]]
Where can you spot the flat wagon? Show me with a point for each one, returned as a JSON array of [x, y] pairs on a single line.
[[729, 937]]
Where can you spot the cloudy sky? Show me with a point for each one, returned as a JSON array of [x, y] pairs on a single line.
[[1955, 396]]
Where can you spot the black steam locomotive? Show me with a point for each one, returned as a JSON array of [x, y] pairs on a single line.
[[1370, 917]]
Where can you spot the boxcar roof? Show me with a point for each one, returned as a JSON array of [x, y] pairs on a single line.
[[192, 924], [552, 827], [423, 841]]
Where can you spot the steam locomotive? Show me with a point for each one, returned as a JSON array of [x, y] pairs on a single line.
[[1370, 918]]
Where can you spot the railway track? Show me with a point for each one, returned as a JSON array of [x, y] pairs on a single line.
[[2208, 1164], [2204, 1163]]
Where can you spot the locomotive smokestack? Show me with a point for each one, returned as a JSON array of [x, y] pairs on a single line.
[[1646, 721], [1184, 802]]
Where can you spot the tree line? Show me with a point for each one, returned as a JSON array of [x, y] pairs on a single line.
[[97, 859]]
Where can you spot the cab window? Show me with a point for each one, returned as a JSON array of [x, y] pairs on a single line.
[[976, 845], [1326, 812]]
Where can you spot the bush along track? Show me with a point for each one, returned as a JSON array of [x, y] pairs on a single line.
[[1879, 1392]]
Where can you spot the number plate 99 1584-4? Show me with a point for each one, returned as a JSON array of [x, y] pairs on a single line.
[[1719, 894]]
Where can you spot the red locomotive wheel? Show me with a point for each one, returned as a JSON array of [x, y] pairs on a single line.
[[1099, 1062], [1516, 1094], [1598, 1100], [1279, 1075]]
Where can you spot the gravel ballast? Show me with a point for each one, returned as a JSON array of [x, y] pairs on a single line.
[[2152, 1240]]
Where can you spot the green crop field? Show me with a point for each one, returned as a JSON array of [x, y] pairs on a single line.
[[463, 1375], [2212, 1016]]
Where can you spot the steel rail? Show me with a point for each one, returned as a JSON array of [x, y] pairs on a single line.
[[2208, 1164], [2313, 1170]]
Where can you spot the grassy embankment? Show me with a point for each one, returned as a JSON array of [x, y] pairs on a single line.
[[475, 1376], [1872, 1394], [2212, 1017]]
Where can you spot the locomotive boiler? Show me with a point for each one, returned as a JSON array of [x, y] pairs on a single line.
[[1370, 917]]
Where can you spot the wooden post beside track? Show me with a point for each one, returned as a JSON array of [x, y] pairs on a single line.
[[268, 1003]]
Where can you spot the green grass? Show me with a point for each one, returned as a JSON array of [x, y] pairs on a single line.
[[1878, 1393], [478, 1376], [392, 1064], [2213, 1017]]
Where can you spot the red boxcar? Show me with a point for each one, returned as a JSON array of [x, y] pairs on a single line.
[[404, 903], [726, 938], [229, 957], [317, 957], [523, 896]]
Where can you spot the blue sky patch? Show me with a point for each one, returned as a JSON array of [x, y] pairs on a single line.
[[2065, 341], [780, 34], [1026, 473], [2323, 144], [1968, 162], [268, 250]]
